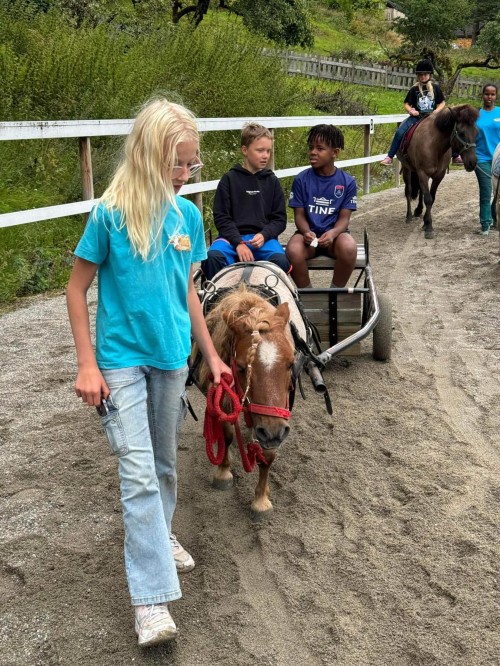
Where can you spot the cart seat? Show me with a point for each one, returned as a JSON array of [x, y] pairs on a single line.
[[323, 262]]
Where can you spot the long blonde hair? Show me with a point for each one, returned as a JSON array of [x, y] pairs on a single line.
[[429, 86], [141, 188]]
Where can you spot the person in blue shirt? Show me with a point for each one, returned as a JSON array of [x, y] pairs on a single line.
[[323, 198], [143, 239], [487, 140]]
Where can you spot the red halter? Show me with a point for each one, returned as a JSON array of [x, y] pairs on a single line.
[[250, 408], [215, 416]]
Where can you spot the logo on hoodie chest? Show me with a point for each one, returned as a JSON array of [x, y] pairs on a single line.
[[252, 192]]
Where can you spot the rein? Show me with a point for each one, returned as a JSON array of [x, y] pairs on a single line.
[[213, 430], [215, 415]]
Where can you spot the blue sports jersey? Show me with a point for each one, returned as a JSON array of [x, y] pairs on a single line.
[[142, 311], [323, 197]]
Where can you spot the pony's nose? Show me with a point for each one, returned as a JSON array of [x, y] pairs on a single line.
[[470, 165], [269, 439]]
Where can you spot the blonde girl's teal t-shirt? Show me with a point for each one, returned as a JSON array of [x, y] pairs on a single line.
[[142, 311]]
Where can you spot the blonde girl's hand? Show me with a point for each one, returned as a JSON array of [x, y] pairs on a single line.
[[90, 386], [218, 368]]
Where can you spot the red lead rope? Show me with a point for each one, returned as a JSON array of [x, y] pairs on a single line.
[[213, 430]]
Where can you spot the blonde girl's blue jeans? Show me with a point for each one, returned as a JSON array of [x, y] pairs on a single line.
[[143, 433], [487, 209]]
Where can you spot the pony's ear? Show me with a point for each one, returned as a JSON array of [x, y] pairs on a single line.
[[283, 312]]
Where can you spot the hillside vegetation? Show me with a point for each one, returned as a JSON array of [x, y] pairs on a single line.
[[52, 70]]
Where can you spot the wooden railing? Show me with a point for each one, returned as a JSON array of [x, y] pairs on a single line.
[[84, 130], [364, 74]]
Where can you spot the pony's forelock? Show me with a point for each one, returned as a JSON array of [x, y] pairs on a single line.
[[466, 114], [243, 305]]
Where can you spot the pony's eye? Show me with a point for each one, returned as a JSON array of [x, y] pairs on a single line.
[[240, 368]]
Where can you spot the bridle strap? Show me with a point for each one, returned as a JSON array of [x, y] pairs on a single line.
[[465, 144], [253, 407], [266, 410]]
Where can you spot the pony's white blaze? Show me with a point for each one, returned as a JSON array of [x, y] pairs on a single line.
[[268, 354]]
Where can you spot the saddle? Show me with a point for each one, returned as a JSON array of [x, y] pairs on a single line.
[[407, 136]]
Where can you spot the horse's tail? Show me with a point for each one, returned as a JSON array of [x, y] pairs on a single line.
[[415, 185]]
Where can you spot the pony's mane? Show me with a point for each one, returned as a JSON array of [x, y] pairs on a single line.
[[447, 117], [243, 304]]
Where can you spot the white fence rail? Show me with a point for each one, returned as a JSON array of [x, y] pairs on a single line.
[[83, 130]]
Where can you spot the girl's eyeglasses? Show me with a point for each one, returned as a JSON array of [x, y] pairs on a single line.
[[192, 168]]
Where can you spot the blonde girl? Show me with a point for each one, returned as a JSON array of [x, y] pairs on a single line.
[[422, 99], [142, 239]]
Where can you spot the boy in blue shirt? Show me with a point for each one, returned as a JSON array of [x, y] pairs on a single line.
[[323, 198]]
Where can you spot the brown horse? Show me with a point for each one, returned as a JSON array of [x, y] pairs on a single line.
[[253, 337], [429, 154]]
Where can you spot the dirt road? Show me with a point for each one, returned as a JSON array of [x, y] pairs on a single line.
[[383, 549]]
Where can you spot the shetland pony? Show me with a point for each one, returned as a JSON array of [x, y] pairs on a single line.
[[253, 337]]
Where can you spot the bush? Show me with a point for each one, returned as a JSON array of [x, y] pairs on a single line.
[[50, 71]]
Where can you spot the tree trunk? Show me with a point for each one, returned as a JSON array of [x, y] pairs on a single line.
[[475, 32], [200, 11]]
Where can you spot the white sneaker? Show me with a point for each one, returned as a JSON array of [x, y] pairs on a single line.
[[154, 624], [183, 560]]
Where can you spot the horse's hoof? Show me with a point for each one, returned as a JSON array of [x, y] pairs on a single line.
[[409, 220], [222, 484], [429, 234], [260, 516]]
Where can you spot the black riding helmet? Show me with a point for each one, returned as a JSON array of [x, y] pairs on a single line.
[[424, 67]]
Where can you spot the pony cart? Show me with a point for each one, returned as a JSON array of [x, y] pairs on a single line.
[[270, 333]]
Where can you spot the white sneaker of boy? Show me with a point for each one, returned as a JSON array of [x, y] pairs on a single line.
[[154, 624], [183, 560]]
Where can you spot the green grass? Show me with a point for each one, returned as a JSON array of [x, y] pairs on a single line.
[[216, 70]]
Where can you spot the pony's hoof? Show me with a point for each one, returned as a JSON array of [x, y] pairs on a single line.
[[428, 233], [260, 516], [222, 484], [409, 220]]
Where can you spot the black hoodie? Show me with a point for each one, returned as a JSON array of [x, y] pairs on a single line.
[[249, 203]]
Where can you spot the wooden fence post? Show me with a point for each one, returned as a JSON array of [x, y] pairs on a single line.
[[271, 159], [86, 169], [198, 197], [366, 167]]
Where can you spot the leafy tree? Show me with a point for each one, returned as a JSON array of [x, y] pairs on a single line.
[[432, 25], [482, 12], [429, 28], [489, 40], [283, 21]]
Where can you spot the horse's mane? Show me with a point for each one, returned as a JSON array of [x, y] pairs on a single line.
[[463, 113], [240, 304]]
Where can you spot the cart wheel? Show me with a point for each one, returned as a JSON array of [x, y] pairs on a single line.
[[382, 333]]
